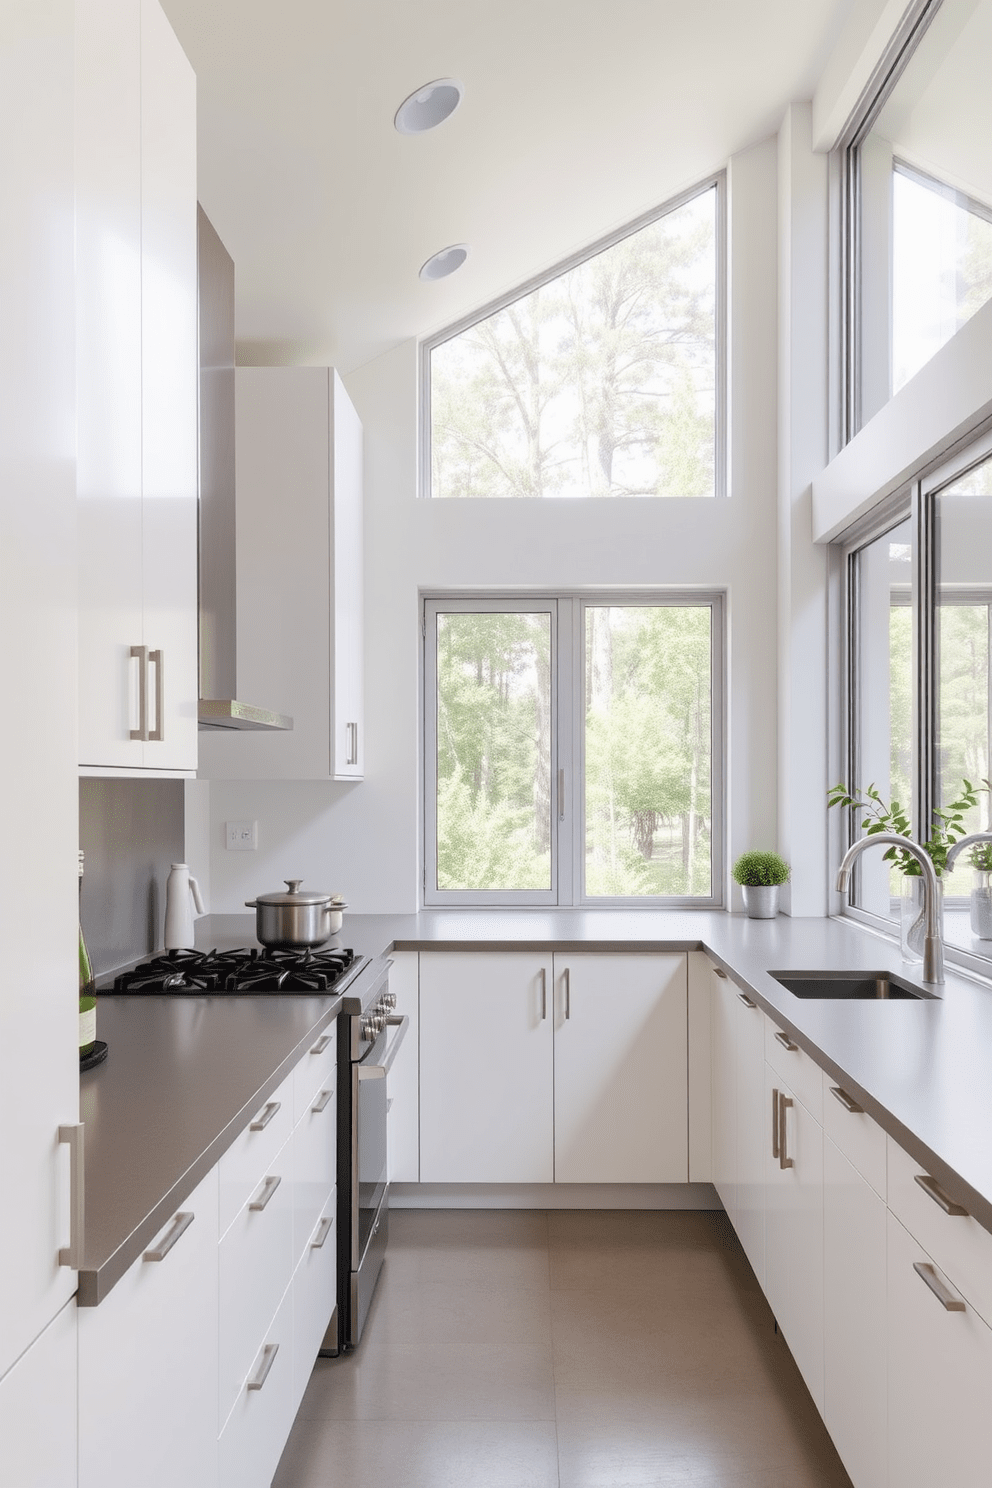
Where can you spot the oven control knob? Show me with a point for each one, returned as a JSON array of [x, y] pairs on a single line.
[[390, 1000], [367, 1028]]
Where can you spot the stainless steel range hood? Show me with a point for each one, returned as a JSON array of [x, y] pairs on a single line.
[[219, 705]]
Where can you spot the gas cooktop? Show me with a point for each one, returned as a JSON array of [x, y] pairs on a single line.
[[193, 973]]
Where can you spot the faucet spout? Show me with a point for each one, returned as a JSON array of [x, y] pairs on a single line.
[[968, 841], [933, 947]]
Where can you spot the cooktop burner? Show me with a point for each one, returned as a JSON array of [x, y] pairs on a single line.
[[187, 973]]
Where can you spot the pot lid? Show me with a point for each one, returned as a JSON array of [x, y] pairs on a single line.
[[295, 895]]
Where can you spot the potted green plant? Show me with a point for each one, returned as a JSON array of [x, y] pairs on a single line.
[[947, 827], [980, 858], [759, 875]]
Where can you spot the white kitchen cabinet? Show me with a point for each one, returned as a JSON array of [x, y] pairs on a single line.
[[854, 1349], [137, 398], [486, 1068], [38, 804], [739, 1123], [793, 1280], [38, 1410], [299, 577], [723, 1050], [255, 1433], [148, 1361], [939, 1368], [620, 1069]]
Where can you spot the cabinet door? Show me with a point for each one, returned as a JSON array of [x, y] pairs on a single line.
[[854, 1392], [486, 1102], [168, 390], [38, 1410], [939, 1367], [752, 1131], [621, 1089], [724, 1087], [108, 382], [794, 1231], [148, 1362], [347, 683], [403, 1122]]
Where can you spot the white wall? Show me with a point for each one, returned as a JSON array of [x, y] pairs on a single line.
[[363, 840]]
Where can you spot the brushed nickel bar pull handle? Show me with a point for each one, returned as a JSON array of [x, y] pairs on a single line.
[[157, 658], [180, 1225], [321, 1044], [747, 1001], [268, 1359], [567, 979], [72, 1254], [561, 795], [268, 1111], [847, 1101], [352, 729], [544, 993], [948, 1300], [786, 1042], [721, 974], [267, 1190], [933, 1190], [322, 1102], [323, 1230], [784, 1103], [775, 1144], [140, 654]]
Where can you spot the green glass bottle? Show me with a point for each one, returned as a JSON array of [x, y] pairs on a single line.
[[87, 1000]]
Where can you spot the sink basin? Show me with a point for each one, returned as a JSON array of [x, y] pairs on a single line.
[[858, 986]]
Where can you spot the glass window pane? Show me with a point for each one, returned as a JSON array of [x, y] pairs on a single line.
[[601, 382], [884, 743], [964, 613], [648, 757], [494, 711], [941, 270]]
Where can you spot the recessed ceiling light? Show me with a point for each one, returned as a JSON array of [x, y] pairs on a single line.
[[444, 263], [429, 106]]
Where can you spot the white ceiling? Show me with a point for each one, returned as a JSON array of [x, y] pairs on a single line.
[[577, 116]]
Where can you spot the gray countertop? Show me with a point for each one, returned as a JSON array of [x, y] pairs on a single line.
[[185, 1074]]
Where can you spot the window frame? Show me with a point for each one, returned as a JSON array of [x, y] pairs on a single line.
[[568, 744], [918, 500], [717, 181]]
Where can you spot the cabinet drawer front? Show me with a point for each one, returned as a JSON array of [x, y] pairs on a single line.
[[249, 1158], [255, 1268], [253, 1438], [939, 1366], [316, 1071], [959, 1244], [314, 1164], [860, 1139], [796, 1069], [314, 1295], [148, 1361]]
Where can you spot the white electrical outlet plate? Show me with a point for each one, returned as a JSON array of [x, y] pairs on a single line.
[[241, 836]]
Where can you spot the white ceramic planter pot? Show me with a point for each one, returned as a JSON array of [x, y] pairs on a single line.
[[760, 901], [981, 907]]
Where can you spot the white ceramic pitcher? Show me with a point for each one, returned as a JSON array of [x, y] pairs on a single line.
[[182, 892]]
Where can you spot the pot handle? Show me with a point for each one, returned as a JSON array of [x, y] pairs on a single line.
[[251, 904]]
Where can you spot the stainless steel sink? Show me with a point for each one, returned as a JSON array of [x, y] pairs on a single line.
[[860, 986]]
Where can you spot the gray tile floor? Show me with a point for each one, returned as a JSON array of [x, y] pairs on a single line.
[[572, 1349]]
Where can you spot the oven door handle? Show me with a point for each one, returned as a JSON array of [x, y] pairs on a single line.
[[379, 1071]]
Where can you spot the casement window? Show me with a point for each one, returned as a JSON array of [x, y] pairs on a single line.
[[919, 677], [605, 377], [573, 750], [916, 202]]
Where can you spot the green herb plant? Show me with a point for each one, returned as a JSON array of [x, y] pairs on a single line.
[[946, 828], [755, 870], [980, 857]]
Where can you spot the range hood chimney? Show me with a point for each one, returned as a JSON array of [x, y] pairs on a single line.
[[219, 705]]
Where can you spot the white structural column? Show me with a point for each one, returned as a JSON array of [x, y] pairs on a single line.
[[802, 567]]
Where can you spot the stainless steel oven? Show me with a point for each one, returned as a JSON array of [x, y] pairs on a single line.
[[369, 1037]]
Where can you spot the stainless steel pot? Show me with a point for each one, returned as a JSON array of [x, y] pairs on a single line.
[[295, 920]]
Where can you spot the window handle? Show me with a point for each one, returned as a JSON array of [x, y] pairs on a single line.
[[561, 795]]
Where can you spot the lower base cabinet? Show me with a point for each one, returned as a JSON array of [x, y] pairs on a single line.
[[38, 1410], [148, 1361]]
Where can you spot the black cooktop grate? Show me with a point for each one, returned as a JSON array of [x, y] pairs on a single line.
[[188, 973]]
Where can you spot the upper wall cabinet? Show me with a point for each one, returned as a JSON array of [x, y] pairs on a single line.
[[299, 578], [136, 357]]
